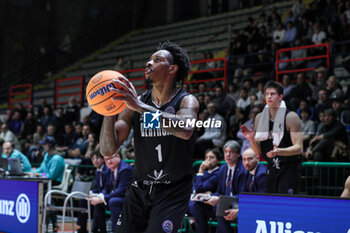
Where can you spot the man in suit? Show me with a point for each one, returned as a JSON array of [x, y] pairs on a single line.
[[231, 182], [99, 183], [112, 195], [206, 180], [255, 172]]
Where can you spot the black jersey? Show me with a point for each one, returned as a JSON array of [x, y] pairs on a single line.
[[160, 157], [286, 141]]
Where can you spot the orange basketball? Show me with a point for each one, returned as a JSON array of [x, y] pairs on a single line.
[[99, 96]]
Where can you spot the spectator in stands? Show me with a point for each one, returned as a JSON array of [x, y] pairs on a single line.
[[212, 137], [16, 124], [305, 31], [274, 19], [231, 182], [101, 175], [333, 88], [223, 104], [40, 108], [8, 136], [48, 118], [78, 130], [29, 127], [323, 101], [260, 90], [262, 22], [68, 138], [256, 173], [206, 180], [279, 34], [232, 92], [9, 151], [51, 131], [290, 18], [39, 134], [80, 146], [346, 191], [337, 107], [319, 35], [249, 123], [320, 122], [319, 83], [301, 90], [330, 12], [307, 126], [265, 63], [332, 34], [287, 88], [298, 9], [331, 134], [243, 102], [284, 65], [304, 104], [60, 120], [250, 60], [112, 196], [72, 111], [93, 145], [299, 53]]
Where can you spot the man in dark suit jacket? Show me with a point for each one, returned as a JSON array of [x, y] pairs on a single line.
[[255, 172], [206, 180], [231, 182], [118, 179], [99, 183]]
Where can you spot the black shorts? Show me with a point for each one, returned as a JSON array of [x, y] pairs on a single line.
[[284, 179], [155, 208]]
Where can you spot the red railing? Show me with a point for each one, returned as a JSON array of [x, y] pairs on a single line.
[[224, 69], [278, 61], [16, 93], [61, 87]]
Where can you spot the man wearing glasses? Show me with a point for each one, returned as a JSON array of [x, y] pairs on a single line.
[[118, 178]]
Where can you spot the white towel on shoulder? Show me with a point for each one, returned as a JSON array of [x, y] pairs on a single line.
[[262, 132]]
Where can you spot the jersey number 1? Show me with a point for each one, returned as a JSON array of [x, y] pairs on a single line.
[[159, 150]]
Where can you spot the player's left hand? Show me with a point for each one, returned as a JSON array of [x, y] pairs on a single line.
[[232, 214], [272, 153], [127, 93]]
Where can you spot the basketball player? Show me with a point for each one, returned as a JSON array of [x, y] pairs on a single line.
[[279, 140], [159, 196]]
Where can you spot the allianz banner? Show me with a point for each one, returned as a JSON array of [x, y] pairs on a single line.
[[18, 206], [292, 214]]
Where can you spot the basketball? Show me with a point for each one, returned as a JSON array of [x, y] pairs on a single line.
[[99, 96]]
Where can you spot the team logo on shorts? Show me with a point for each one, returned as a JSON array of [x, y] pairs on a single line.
[[167, 226], [151, 120]]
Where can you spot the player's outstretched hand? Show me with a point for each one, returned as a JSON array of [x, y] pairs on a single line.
[[248, 133], [127, 93]]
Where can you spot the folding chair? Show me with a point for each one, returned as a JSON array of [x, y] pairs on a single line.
[[80, 190]]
